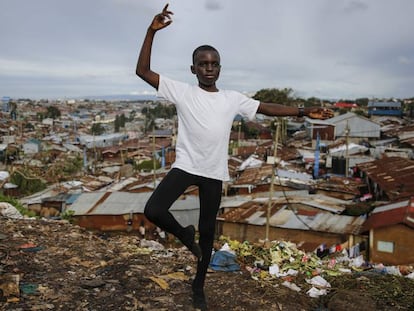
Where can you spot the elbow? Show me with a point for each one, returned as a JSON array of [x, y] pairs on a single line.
[[139, 72]]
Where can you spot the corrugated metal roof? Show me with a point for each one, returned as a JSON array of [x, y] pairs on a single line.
[[120, 203], [358, 126], [394, 175], [391, 206], [325, 222], [392, 214], [285, 217], [319, 201], [384, 104], [123, 183], [85, 202]]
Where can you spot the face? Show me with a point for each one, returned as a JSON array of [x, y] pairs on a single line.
[[207, 69]]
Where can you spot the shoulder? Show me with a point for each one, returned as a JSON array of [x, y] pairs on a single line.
[[233, 94], [239, 97], [168, 83], [167, 80]]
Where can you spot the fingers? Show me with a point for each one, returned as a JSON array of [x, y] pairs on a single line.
[[321, 114], [165, 9], [165, 16], [327, 113], [162, 19], [166, 13]]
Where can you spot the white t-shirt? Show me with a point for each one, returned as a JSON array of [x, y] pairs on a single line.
[[204, 125]]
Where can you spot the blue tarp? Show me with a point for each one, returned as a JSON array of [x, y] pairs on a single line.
[[224, 261]]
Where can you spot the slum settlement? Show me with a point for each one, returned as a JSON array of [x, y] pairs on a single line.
[[341, 185]]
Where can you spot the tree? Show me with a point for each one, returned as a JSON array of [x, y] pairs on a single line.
[[362, 102], [313, 101], [283, 97], [27, 184], [122, 120], [116, 124], [97, 129], [53, 112]]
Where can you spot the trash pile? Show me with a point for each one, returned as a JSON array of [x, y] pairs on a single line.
[[53, 265], [281, 262]]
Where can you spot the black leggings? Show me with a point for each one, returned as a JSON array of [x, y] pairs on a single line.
[[168, 191]]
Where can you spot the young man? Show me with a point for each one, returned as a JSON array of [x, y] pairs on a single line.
[[205, 116]]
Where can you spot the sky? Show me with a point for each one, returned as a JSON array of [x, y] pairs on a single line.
[[342, 49]]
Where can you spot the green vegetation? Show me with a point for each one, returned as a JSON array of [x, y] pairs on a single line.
[[159, 111], [27, 184], [64, 169], [97, 129], [53, 112], [148, 165], [283, 97], [67, 215], [119, 122]]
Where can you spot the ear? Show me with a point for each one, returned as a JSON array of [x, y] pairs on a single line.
[[193, 69]]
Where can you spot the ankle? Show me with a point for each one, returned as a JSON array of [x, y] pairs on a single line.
[[197, 287], [199, 300]]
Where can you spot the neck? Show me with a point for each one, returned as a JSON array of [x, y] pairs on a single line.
[[208, 88]]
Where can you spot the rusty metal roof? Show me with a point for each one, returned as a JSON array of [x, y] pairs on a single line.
[[297, 217], [255, 176], [401, 212], [394, 175]]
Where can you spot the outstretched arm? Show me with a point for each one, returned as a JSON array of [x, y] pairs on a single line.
[[270, 109], [143, 69]]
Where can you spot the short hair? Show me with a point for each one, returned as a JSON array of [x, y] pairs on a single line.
[[203, 48]]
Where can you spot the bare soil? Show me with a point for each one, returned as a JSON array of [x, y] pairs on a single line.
[[54, 265]]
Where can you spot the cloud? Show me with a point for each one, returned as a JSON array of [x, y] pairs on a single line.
[[355, 6], [405, 60], [213, 5], [335, 48]]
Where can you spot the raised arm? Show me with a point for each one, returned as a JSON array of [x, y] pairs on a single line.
[[271, 109], [143, 69]]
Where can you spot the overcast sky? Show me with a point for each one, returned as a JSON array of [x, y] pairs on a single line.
[[322, 48]]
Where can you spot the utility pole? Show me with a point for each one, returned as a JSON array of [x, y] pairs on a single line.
[[347, 150], [153, 155], [239, 134], [272, 183]]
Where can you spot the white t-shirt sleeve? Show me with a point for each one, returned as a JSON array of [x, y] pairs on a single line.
[[248, 106], [171, 90]]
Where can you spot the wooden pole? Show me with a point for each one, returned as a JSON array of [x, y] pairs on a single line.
[[272, 183]]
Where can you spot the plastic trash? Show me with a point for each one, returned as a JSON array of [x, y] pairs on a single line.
[[316, 292], [9, 211], [393, 270], [274, 270], [153, 245], [357, 261], [224, 261], [410, 276], [319, 282], [292, 286], [227, 248]]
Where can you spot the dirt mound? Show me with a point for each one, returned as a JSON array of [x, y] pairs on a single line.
[[53, 265]]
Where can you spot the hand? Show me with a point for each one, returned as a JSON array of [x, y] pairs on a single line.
[[162, 19], [319, 113]]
